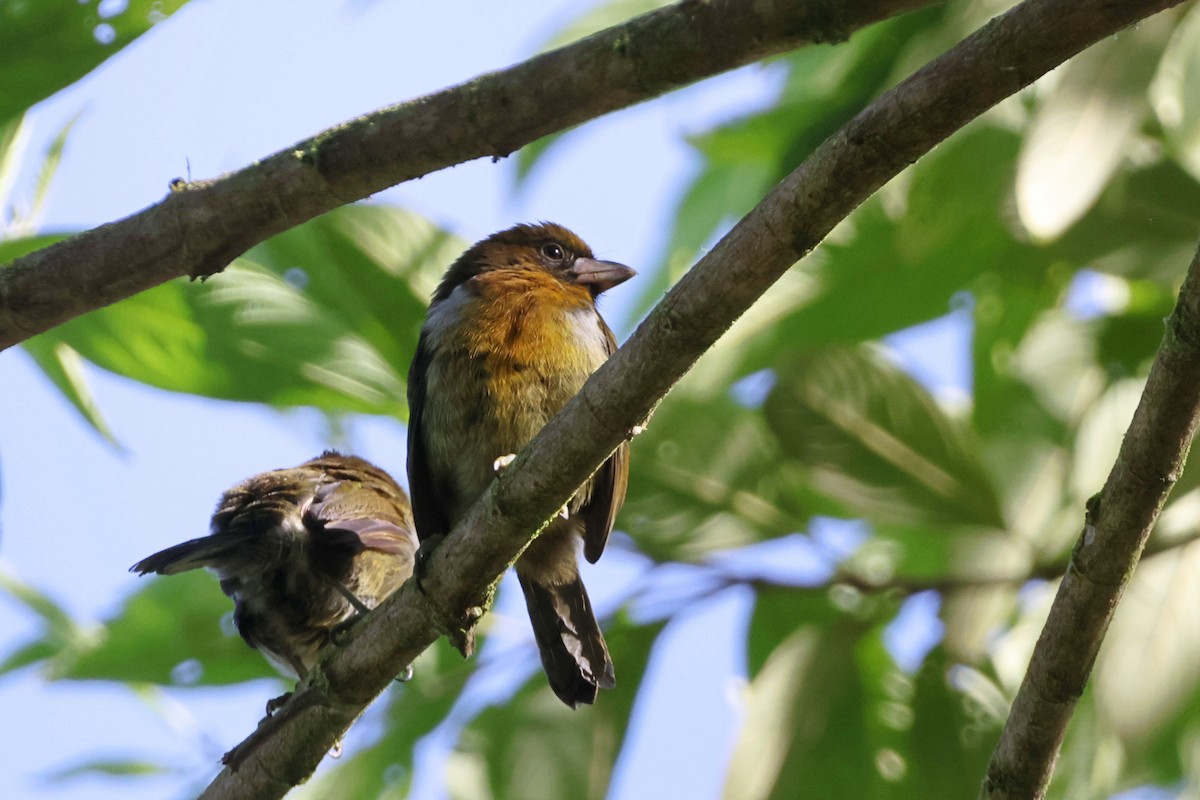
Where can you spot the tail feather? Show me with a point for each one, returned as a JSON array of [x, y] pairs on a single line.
[[569, 640], [203, 552]]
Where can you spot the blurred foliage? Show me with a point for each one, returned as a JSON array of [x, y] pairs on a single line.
[[1052, 234], [45, 47], [281, 325]]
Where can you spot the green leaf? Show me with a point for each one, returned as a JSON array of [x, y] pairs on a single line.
[[13, 135], [1145, 675], [745, 157], [1126, 342], [46, 46], [64, 367], [1159, 757], [709, 476], [1098, 440], [533, 747], [61, 636], [1173, 95], [952, 737], [12, 249], [897, 269], [1024, 443], [778, 613], [830, 714], [873, 439], [1143, 226], [529, 156], [45, 177], [1081, 131], [910, 555], [324, 315], [1093, 762], [111, 767], [1057, 360], [60, 626], [33, 652], [172, 621], [806, 731]]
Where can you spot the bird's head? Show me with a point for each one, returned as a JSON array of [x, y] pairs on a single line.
[[546, 247]]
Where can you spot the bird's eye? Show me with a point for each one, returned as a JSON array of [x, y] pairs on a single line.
[[554, 252]]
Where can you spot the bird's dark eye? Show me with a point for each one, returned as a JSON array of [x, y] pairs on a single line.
[[554, 252]]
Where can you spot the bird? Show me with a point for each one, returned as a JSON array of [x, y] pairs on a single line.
[[303, 552], [511, 335]]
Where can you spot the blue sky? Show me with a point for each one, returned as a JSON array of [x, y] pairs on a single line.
[[222, 84]]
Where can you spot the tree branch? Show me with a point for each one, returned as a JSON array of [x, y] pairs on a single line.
[[1118, 523], [1005, 55], [200, 227]]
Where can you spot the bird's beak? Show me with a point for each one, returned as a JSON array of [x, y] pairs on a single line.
[[599, 275]]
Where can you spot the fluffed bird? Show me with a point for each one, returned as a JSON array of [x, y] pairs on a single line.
[[302, 552], [511, 335]]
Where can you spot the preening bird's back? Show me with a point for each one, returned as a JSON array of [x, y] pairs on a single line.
[[508, 350], [285, 601]]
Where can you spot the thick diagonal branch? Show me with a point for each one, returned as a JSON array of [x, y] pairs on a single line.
[[1005, 55], [200, 227]]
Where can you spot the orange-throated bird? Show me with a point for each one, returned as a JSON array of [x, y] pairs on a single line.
[[301, 551], [511, 336]]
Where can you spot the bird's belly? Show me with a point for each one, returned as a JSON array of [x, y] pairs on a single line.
[[490, 407]]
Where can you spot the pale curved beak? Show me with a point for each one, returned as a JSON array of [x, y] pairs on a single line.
[[599, 276]]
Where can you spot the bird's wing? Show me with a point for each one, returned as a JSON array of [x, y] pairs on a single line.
[[381, 535], [608, 494], [608, 487], [356, 505], [428, 503], [360, 520]]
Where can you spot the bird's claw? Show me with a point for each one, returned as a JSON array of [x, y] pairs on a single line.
[[276, 703], [405, 674], [502, 462], [340, 634]]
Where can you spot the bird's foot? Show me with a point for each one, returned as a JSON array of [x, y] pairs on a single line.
[[405, 674], [276, 703], [637, 430], [351, 598], [339, 634], [501, 463]]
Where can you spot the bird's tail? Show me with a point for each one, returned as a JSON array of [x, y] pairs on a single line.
[[569, 640], [202, 552]]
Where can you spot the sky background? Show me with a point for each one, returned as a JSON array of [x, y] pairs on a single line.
[[217, 86]]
